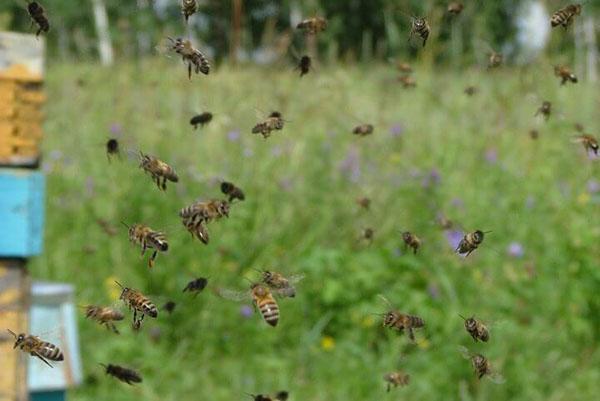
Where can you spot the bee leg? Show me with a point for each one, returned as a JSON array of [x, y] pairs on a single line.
[[388, 388], [415, 250], [164, 184], [152, 258], [42, 358], [411, 334], [114, 328], [190, 71]]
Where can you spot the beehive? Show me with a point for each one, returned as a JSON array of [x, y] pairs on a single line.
[[23, 98]]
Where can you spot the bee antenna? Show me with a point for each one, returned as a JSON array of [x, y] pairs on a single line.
[[12, 332], [385, 300], [103, 365], [125, 224], [119, 284], [487, 232], [248, 280], [464, 318]]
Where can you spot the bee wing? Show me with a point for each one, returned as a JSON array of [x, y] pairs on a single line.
[[388, 303], [288, 292], [465, 352], [232, 294], [164, 47], [296, 278], [496, 377]]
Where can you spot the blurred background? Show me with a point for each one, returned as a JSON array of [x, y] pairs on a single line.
[[484, 160]]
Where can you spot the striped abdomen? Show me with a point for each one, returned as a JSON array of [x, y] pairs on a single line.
[[148, 308], [50, 351], [269, 310]]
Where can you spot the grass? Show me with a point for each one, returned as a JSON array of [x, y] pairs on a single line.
[[434, 149]]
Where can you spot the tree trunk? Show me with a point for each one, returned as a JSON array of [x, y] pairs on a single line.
[[104, 45]]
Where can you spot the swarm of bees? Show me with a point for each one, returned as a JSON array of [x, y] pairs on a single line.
[[272, 123]]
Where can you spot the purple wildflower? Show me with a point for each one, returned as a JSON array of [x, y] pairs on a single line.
[[458, 203], [248, 152], [246, 311], [491, 156], [89, 186], [233, 136], [432, 179], [396, 130], [515, 250], [276, 151], [530, 202], [350, 166], [593, 186], [286, 184], [454, 237], [434, 291], [116, 129], [55, 155]]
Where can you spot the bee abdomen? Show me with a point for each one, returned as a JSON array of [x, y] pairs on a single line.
[[149, 308], [416, 322], [51, 352], [270, 312]]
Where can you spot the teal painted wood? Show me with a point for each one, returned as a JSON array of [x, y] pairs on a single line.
[[48, 396], [21, 212], [53, 318]]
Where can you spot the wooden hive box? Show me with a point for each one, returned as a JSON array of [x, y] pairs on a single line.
[[14, 309], [21, 91], [21, 212]]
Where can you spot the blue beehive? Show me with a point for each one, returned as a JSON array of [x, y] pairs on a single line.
[[21, 212], [53, 312]]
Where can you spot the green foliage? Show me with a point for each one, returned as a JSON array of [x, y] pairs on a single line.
[[428, 154]]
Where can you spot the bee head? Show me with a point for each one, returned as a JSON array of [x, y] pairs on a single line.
[[226, 187], [389, 318], [163, 246], [223, 208], [18, 338], [112, 145], [406, 236], [275, 114], [478, 236], [419, 22]]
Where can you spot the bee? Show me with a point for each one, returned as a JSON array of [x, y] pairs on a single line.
[[112, 148], [482, 366], [444, 222], [36, 347], [579, 127], [495, 60], [589, 142], [280, 396], [407, 81], [104, 315], [139, 303], [396, 379], [419, 26], [545, 110], [148, 239], [126, 375], [470, 242], [367, 234], [455, 7], [169, 306], [363, 130], [108, 228], [404, 67], [411, 240], [196, 285], [232, 191], [283, 286], [262, 298], [304, 65], [192, 56], [565, 74], [476, 329], [312, 26], [364, 202], [565, 16], [534, 134], [194, 216], [188, 8], [158, 170], [271, 123], [395, 320], [38, 15], [201, 119], [471, 90]]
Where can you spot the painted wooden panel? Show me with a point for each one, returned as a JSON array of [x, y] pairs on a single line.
[[53, 313], [21, 212], [14, 309], [21, 56]]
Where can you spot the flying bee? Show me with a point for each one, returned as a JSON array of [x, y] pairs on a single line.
[[364, 202], [280, 396], [112, 148], [420, 27], [455, 7], [471, 90], [262, 298], [304, 65], [470, 242], [534, 134], [190, 55], [158, 170], [139, 303], [495, 60], [476, 329], [232, 191], [196, 286], [407, 81], [367, 234], [411, 240], [201, 119], [482, 366], [396, 379], [108, 228], [312, 26], [444, 222], [194, 216], [565, 16], [395, 320], [579, 127], [272, 123], [404, 68], [280, 284], [34, 346], [188, 8], [545, 110], [169, 306], [125, 375], [38, 15], [565, 74], [104, 315], [589, 143], [363, 129], [148, 239]]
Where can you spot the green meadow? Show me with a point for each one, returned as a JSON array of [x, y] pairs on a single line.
[[535, 279]]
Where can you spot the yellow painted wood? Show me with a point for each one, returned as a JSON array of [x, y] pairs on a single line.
[[14, 309]]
